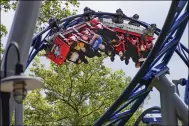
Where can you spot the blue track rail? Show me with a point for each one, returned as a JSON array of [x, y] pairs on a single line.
[[167, 43]]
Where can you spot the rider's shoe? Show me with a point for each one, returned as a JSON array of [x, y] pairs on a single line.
[[126, 61], [98, 54], [121, 58], [85, 61], [112, 58], [137, 65]]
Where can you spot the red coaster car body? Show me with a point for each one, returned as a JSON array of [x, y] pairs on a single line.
[[63, 50]]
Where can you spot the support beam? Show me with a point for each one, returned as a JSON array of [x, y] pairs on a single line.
[[171, 104], [181, 108], [21, 32]]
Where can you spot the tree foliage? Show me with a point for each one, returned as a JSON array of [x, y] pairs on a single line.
[[6, 5], [73, 94], [56, 9], [3, 33]]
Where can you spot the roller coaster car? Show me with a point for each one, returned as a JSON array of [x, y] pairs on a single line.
[[119, 45], [143, 46], [145, 35], [106, 33], [58, 50], [95, 24], [81, 48], [147, 42], [79, 32], [139, 47], [74, 29], [75, 54], [91, 48], [102, 29], [131, 28], [116, 45]]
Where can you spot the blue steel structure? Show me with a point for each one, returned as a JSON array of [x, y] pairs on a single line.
[[167, 43], [157, 110]]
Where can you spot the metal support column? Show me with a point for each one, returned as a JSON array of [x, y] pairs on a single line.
[[171, 104], [21, 32], [181, 108]]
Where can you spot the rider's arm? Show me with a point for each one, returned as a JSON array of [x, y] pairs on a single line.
[[93, 38]]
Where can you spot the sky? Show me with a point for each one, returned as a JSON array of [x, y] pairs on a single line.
[[149, 12]]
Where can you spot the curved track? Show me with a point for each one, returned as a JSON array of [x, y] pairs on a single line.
[[164, 48], [137, 122]]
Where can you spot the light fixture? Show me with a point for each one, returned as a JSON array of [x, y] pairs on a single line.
[[19, 85]]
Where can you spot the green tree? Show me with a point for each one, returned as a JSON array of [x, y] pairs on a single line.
[[3, 33], [5, 7], [73, 94], [57, 9]]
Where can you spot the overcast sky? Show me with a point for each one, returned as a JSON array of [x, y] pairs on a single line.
[[150, 12]]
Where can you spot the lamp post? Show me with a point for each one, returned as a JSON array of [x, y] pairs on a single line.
[[21, 32], [19, 85]]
